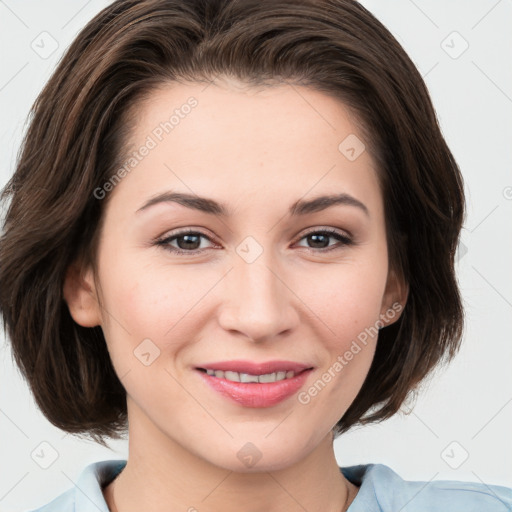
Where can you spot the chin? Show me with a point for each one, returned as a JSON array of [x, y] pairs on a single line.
[[256, 456]]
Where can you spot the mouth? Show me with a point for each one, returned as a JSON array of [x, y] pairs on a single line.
[[255, 385], [252, 378]]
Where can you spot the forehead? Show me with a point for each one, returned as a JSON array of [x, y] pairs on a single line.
[[228, 140]]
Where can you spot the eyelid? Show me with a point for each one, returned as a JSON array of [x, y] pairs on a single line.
[[334, 231], [164, 239]]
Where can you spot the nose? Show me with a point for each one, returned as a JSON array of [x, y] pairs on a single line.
[[257, 303]]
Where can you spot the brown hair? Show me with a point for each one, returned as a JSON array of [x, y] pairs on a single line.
[[76, 138]]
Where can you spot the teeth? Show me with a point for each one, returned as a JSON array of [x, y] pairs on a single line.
[[246, 377]]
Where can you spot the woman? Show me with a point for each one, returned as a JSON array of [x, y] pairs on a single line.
[[231, 235]]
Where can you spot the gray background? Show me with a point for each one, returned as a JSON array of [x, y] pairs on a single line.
[[460, 427]]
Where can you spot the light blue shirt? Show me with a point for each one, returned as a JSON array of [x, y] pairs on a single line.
[[380, 490]]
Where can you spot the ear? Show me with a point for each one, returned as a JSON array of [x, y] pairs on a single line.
[[80, 294], [394, 298]]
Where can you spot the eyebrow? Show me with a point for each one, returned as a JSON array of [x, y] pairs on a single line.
[[212, 207]]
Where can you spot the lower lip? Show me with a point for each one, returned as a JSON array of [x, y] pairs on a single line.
[[255, 394]]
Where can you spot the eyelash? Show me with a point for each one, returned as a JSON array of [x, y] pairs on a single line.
[[164, 242]]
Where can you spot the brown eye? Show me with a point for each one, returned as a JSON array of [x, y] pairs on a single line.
[[188, 242], [319, 240]]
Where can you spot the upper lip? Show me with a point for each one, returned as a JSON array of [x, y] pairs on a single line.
[[256, 368]]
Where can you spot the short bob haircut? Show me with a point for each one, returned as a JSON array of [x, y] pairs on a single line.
[[77, 138]]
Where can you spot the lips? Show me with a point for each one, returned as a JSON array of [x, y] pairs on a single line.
[[250, 391], [253, 368], [256, 395]]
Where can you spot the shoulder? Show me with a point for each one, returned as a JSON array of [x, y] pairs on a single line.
[[86, 495], [63, 503], [381, 489]]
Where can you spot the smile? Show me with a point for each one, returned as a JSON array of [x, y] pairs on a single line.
[[248, 378], [255, 390]]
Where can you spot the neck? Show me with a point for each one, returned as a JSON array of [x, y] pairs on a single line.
[[161, 475]]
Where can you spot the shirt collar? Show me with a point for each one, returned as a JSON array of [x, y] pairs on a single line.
[[89, 494]]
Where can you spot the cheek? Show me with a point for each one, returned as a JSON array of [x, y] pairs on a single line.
[[151, 301], [349, 299], [149, 314], [351, 311], [353, 317], [348, 307]]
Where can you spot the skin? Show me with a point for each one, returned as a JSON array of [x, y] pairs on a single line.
[[258, 151]]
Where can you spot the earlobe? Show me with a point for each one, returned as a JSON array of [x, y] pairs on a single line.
[[394, 299], [79, 292]]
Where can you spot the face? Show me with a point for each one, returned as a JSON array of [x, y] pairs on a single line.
[[262, 275]]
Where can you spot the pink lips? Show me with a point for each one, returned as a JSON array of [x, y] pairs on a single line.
[[254, 394]]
